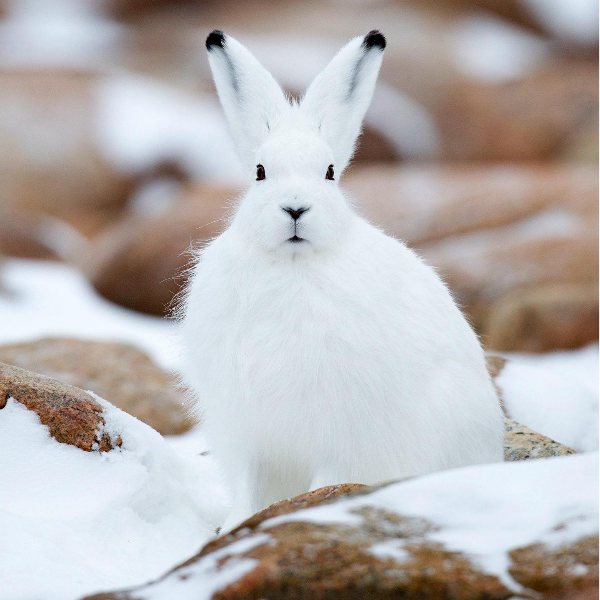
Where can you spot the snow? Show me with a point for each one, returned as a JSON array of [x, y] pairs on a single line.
[[555, 394], [574, 21], [76, 522], [484, 511], [44, 298], [201, 580], [491, 49], [62, 32], [155, 502], [142, 123]]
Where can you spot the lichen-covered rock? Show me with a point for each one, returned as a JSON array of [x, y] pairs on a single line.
[[121, 373], [466, 534], [71, 415], [546, 569], [522, 443]]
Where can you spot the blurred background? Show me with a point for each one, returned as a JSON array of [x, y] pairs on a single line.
[[480, 150]]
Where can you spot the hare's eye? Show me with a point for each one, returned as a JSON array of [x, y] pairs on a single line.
[[260, 172], [329, 173]]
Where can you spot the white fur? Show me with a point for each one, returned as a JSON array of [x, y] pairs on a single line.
[[341, 358]]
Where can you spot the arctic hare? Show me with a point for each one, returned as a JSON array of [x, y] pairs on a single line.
[[320, 350]]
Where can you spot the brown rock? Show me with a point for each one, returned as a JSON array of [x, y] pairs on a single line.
[[511, 10], [139, 262], [320, 560], [557, 571], [118, 372], [314, 498], [483, 267], [544, 318], [528, 119], [71, 415], [49, 159], [21, 235], [310, 561], [421, 204], [522, 443], [495, 364]]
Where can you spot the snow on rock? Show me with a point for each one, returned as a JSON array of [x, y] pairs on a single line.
[[494, 50], [489, 531], [574, 21], [62, 32], [74, 522], [47, 299], [555, 394], [142, 123]]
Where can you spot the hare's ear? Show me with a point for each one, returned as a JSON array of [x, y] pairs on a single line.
[[252, 100], [340, 95]]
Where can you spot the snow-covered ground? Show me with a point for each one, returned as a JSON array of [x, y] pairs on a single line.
[[72, 523], [556, 394], [42, 299]]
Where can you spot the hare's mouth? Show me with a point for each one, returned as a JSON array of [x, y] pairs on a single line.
[[295, 239]]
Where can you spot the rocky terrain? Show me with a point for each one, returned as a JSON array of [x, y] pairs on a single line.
[[438, 534], [479, 151]]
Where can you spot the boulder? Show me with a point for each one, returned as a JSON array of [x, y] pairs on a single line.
[[71, 415], [314, 498], [531, 118], [50, 160], [544, 318], [422, 204], [484, 266], [21, 235], [140, 261], [119, 372], [434, 537], [522, 443]]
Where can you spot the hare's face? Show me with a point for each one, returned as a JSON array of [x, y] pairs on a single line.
[[295, 150], [294, 204]]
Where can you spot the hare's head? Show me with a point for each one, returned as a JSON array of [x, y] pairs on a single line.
[[293, 153]]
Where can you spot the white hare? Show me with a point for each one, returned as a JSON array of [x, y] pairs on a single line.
[[318, 349]]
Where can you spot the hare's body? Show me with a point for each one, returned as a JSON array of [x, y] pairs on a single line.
[[336, 356]]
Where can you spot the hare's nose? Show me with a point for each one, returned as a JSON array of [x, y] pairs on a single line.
[[295, 213]]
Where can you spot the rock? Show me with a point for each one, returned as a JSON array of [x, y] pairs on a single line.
[[314, 498], [118, 372], [501, 237], [19, 236], [71, 415], [49, 157], [521, 443], [544, 318], [423, 204], [544, 569], [139, 262], [528, 119], [495, 364], [389, 543], [484, 266]]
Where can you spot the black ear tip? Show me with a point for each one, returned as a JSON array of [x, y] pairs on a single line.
[[215, 38], [374, 38]]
